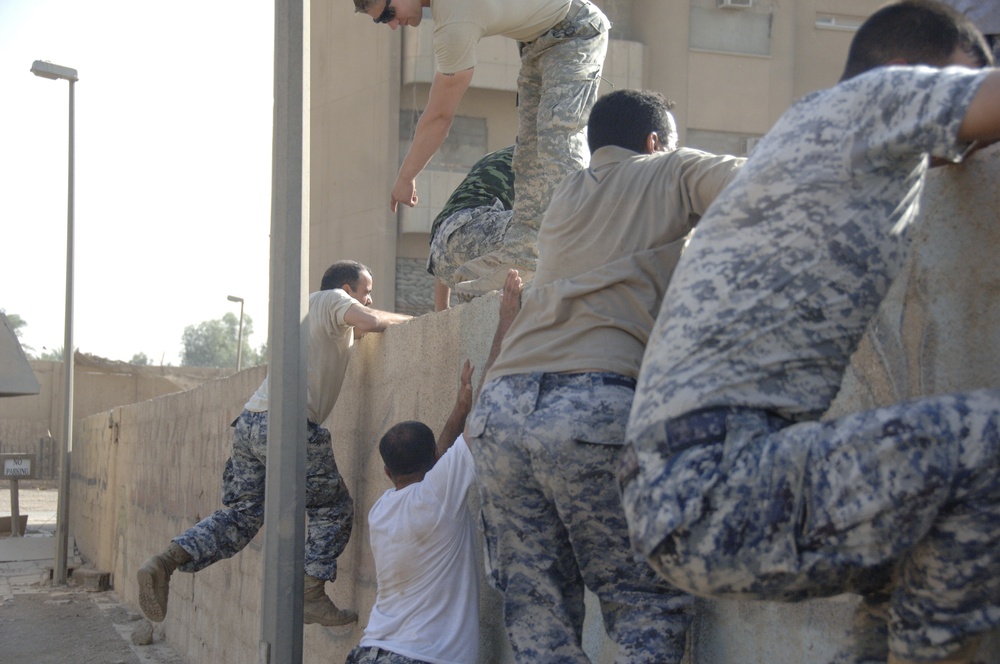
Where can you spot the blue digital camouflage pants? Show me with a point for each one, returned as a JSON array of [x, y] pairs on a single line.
[[329, 506], [372, 655], [556, 87], [902, 500], [545, 447]]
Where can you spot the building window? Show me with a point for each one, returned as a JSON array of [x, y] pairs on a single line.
[[838, 22], [465, 145], [746, 31], [721, 142]]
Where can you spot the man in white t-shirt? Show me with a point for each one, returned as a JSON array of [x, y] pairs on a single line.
[[336, 312], [423, 537], [562, 44]]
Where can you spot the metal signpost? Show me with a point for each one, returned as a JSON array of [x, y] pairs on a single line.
[[16, 467]]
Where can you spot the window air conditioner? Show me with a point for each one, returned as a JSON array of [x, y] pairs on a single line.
[[735, 4]]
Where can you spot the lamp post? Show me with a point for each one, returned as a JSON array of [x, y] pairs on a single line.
[[239, 340], [58, 72]]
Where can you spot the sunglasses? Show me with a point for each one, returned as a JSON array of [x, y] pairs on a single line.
[[387, 14]]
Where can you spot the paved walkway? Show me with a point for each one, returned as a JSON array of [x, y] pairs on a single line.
[[45, 624]]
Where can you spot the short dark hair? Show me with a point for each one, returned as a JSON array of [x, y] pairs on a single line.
[[362, 6], [342, 272], [408, 448], [918, 32], [626, 118]]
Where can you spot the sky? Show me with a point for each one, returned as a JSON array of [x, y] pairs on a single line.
[[172, 170]]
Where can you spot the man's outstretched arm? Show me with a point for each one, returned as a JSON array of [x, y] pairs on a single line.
[[456, 421], [982, 119], [510, 304], [432, 128], [365, 319]]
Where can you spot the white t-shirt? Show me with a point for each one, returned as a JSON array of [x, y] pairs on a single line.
[[330, 342], [423, 539]]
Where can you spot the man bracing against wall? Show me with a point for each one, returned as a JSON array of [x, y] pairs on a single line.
[[549, 422], [562, 44], [732, 485], [338, 312], [424, 539]]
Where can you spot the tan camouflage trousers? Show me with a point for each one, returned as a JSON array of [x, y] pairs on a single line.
[[556, 88]]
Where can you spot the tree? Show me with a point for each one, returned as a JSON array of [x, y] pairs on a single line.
[[51, 354], [141, 360], [16, 322], [212, 343]]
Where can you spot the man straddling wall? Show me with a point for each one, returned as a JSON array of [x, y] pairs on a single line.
[[336, 312], [473, 222], [562, 45], [731, 484], [549, 422]]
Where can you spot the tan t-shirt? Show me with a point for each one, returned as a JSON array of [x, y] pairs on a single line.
[[330, 342], [606, 249], [460, 24]]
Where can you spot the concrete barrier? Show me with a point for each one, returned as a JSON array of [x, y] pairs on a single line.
[[145, 472]]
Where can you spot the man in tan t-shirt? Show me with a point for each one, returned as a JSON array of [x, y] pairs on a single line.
[[562, 45], [339, 312], [550, 419]]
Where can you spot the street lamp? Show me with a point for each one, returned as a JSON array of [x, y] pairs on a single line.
[[239, 341], [58, 72]]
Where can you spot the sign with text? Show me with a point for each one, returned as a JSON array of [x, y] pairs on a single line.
[[17, 466]]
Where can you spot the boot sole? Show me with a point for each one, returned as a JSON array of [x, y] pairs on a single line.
[[151, 608]]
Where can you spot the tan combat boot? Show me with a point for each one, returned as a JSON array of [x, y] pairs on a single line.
[[154, 580], [317, 607]]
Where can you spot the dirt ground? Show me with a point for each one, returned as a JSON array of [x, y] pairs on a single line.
[[58, 627], [42, 624]]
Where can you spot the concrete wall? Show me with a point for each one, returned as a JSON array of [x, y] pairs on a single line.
[[145, 472], [99, 385]]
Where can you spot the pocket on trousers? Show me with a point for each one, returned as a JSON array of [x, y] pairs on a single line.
[[604, 421], [476, 423]]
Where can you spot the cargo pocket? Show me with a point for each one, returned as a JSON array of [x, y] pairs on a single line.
[[604, 417]]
